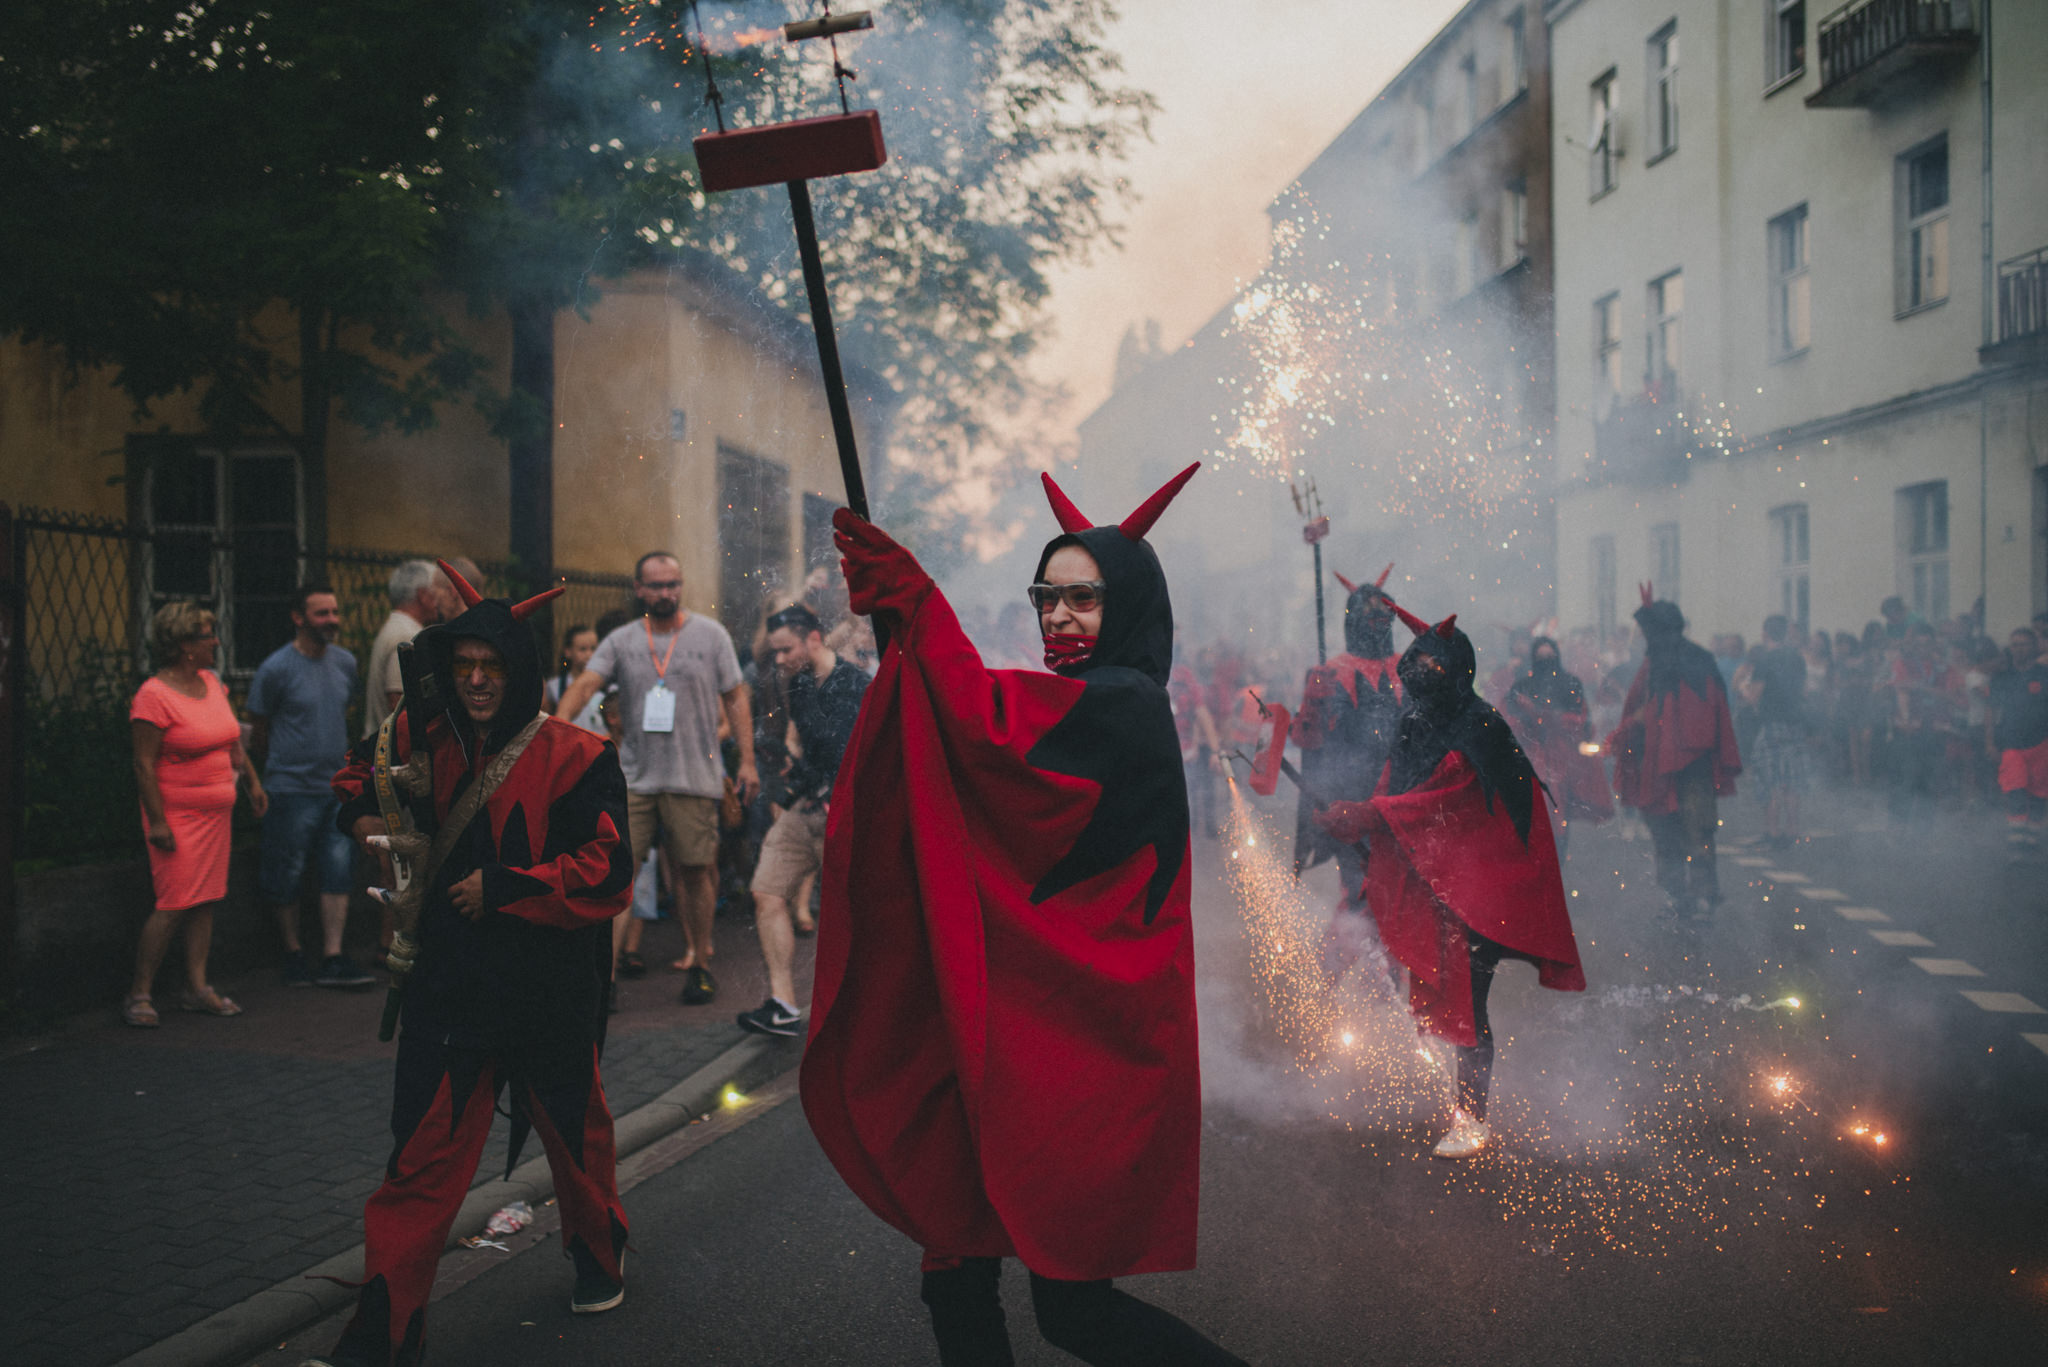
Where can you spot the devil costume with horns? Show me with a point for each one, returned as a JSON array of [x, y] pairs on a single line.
[[1547, 708], [1462, 868], [1675, 755], [511, 995], [1002, 1059], [1345, 729]]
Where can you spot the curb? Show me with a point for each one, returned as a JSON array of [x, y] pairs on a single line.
[[240, 1332]]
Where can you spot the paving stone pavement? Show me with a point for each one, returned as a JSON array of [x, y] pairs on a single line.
[[155, 1177]]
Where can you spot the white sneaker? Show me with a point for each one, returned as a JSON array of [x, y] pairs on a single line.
[[1467, 1137]]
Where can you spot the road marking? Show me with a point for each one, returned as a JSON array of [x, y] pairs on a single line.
[[1749, 861], [1825, 894], [2038, 1041], [1786, 876], [1949, 968], [1902, 938], [1862, 914], [2008, 1003]]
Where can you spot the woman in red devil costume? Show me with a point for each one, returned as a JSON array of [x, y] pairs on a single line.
[[1461, 870], [1002, 1059], [1547, 707]]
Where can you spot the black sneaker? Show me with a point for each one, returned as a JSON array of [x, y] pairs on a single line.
[[296, 971], [338, 970], [771, 1017], [699, 986], [595, 1293]]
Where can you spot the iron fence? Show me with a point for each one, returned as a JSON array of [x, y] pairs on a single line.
[[87, 589]]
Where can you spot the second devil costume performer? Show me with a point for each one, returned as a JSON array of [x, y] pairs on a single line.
[[1462, 870], [1002, 1059], [1547, 708], [1345, 729], [1675, 755], [508, 992]]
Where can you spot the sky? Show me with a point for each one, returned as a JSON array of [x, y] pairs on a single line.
[[1249, 93]]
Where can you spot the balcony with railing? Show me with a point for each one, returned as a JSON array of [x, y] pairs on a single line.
[[2022, 309], [1872, 51]]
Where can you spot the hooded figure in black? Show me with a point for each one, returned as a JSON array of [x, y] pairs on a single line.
[[1463, 869], [1675, 755], [1005, 958], [1547, 708], [508, 989]]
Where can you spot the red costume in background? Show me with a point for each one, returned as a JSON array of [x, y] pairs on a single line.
[[1462, 869], [1547, 708], [514, 997]]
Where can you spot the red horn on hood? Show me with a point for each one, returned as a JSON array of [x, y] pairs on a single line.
[[1381, 582], [1063, 509], [1447, 626], [1140, 522], [1648, 596], [1349, 587], [1408, 619], [469, 596], [522, 611]]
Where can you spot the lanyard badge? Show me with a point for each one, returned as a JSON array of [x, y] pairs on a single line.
[[658, 708]]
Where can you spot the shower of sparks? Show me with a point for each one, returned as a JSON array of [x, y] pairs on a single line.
[[1705, 1129]]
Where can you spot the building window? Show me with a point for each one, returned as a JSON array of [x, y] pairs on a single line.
[[224, 531], [1603, 586], [1516, 71], [1425, 131], [1923, 225], [1789, 556], [1664, 559], [1600, 140], [753, 539], [1923, 548], [1666, 352], [1607, 347], [1468, 76], [1514, 223], [1784, 40], [1466, 274], [819, 552], [1663, 83], [1791, 286]]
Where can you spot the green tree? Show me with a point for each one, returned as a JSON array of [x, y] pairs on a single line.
[[180, 170]]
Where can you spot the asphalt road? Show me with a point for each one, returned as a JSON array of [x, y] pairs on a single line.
[[1684, 1176]]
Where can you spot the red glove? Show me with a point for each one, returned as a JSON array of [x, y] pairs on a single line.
[[1344, 821], [880, 575]]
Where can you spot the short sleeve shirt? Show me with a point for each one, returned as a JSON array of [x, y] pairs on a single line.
[[1782, 671], [703, 668], [382, 678], [306, 703]]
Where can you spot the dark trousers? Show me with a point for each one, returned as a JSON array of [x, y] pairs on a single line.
[[441, 1114], [1684, 839], [1475, 1062], [1092, 1320]]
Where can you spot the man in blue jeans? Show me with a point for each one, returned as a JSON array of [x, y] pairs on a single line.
[[299, 701]]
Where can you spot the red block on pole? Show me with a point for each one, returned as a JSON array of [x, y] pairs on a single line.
[[807, 149]]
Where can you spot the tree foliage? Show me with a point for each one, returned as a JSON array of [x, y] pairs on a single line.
[[178, 170]]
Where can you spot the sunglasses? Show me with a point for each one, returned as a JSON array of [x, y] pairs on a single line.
[[492, 669], [1081, 596]]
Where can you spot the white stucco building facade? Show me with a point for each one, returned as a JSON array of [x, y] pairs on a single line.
[[1802, 362]]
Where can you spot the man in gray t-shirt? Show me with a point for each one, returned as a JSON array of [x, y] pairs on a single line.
[[676, 671]]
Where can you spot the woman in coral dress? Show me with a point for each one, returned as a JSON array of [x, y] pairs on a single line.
[[188, 757]]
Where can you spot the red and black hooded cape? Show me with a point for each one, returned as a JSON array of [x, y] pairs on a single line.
[[1002, 1057], [1460, 841], [1675, 716], [1346, 723]]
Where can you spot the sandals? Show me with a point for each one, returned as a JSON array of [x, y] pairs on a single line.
[[806, 926], [211, 1003], [631, 965], [138, 1012]]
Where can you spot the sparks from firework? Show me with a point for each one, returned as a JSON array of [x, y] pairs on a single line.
[[1703, 1133]]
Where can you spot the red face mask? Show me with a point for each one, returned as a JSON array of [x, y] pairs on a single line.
[[1068, 652]]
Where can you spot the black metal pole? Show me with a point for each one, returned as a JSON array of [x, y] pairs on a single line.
[[828, 347], [1322, 637]]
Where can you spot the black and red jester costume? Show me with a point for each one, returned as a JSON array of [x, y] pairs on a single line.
[[512, 998], [1345, 729], [1002, 1059], [1462, 870]]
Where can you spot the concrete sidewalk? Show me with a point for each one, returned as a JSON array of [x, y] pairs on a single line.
[[158, 1178]]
